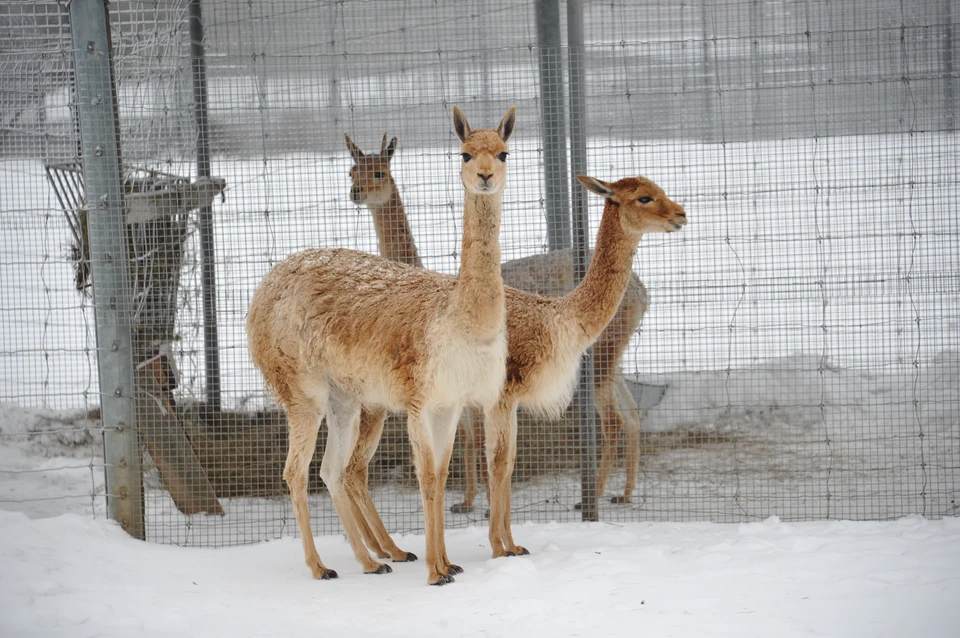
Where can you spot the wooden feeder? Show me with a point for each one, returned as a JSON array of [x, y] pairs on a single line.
[[157, 207]]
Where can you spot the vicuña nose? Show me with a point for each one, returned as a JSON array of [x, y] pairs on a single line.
[[485, 176]]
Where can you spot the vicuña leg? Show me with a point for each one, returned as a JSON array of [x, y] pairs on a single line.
[[611, 425], [445, 429], [374, 532], [431, 436], [343, 431], [471, 434], [631, 437], [303, 415], [500, 430]]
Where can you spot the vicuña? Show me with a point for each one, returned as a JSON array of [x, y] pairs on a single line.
[[548, 336], [338, 331]]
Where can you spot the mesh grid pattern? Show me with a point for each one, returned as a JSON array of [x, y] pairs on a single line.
[[798, 353]]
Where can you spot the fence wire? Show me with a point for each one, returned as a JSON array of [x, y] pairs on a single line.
[[792, 351]]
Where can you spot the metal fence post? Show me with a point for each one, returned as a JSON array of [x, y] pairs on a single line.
[[585, 409], [208, 265], [553, 115], [948, 78], [100, 144]]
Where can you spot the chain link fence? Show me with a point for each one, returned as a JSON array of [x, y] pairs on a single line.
[[793, 351]]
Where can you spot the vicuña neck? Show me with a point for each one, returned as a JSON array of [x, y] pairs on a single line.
[[394, 239], [593, 303], [479, 292]]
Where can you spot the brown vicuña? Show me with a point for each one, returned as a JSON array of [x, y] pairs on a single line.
[[340, 332], [547, 274], [547, 337]]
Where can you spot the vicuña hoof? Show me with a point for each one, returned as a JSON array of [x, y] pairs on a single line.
[[454, 569], [383, 569], [408, 558], [461, 508], [619, 500], [521, 551], [325, 574], [443, 580]]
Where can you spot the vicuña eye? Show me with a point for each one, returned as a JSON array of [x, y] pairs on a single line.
[[645, 200], [377, 175], [466, 157], [503, 156]]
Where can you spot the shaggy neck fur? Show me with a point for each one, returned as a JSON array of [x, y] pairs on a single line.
[[593, 303], [479, 293], [394, 238]]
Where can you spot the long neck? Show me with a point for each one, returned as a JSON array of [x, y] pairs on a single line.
[[593, 303], [394, 239], [479, 292]]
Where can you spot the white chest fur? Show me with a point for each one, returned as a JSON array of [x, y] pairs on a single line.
[[471, 372]]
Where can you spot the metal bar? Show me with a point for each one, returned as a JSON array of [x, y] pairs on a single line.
[[69, 211], [100, 143], [208, 266], [553, 115], [581, 253], [948, 79]]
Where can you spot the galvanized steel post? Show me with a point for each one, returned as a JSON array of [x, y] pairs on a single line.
[[553, 116], [581, 252], [208, 265], [100, 148]]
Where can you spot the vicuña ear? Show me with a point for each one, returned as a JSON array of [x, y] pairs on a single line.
[[460, 124], [601, 188], [355, 152], [507, 123], [387, 150]]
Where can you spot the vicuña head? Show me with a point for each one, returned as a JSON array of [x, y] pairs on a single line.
[[643, 206], [372, 183], [484, 153]]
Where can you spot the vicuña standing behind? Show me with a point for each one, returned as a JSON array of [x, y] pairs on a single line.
[[548, 336], [333, 331], [547, 274]]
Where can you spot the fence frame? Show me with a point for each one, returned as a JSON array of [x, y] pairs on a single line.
[[99, 121]]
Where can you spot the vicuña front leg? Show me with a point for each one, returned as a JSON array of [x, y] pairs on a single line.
[[372, 529], [304, 423], [500, 430], [431, 436]]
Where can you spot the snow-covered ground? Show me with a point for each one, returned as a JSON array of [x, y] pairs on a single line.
[[72, 576]]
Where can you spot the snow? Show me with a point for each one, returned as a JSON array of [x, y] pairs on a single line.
[[72, 576]]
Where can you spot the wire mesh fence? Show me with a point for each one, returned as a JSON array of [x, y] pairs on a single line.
[[791, 351]]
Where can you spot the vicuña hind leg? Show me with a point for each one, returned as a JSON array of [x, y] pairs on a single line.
[[611, 425], [470, 434], [374, 532], [500, 430], [303, 416], [632, 428], [343, 431]]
